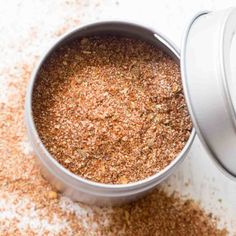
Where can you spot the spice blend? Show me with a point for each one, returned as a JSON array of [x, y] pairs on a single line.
[[29, 205], [162, 215], [111, 109]]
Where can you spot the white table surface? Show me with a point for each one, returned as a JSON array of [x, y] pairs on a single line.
[[21, 18]]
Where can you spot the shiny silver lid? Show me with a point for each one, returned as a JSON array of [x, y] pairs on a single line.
[[208, 65]]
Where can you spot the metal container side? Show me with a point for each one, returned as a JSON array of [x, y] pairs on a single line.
[[74, 186], [207, 84]]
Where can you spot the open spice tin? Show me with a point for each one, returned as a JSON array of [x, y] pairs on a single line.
[[208, 52]]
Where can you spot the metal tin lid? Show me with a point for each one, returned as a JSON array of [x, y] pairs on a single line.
[[208, 65]]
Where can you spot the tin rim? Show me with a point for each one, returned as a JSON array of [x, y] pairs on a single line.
[[151, 180]]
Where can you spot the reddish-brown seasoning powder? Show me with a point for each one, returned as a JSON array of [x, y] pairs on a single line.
[[28, 204], [30, 198], [111, 109], [161, 215]]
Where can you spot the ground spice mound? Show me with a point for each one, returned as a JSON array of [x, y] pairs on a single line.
[[162, 215], [29, 205], [111, 109]]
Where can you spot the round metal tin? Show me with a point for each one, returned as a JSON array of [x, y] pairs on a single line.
[[207, 66], [74, 186]]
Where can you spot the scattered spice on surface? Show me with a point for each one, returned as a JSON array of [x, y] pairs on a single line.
[[24, 205], [160, 214], [111, 109]]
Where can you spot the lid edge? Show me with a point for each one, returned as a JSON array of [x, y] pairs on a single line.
[[210, 152]]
